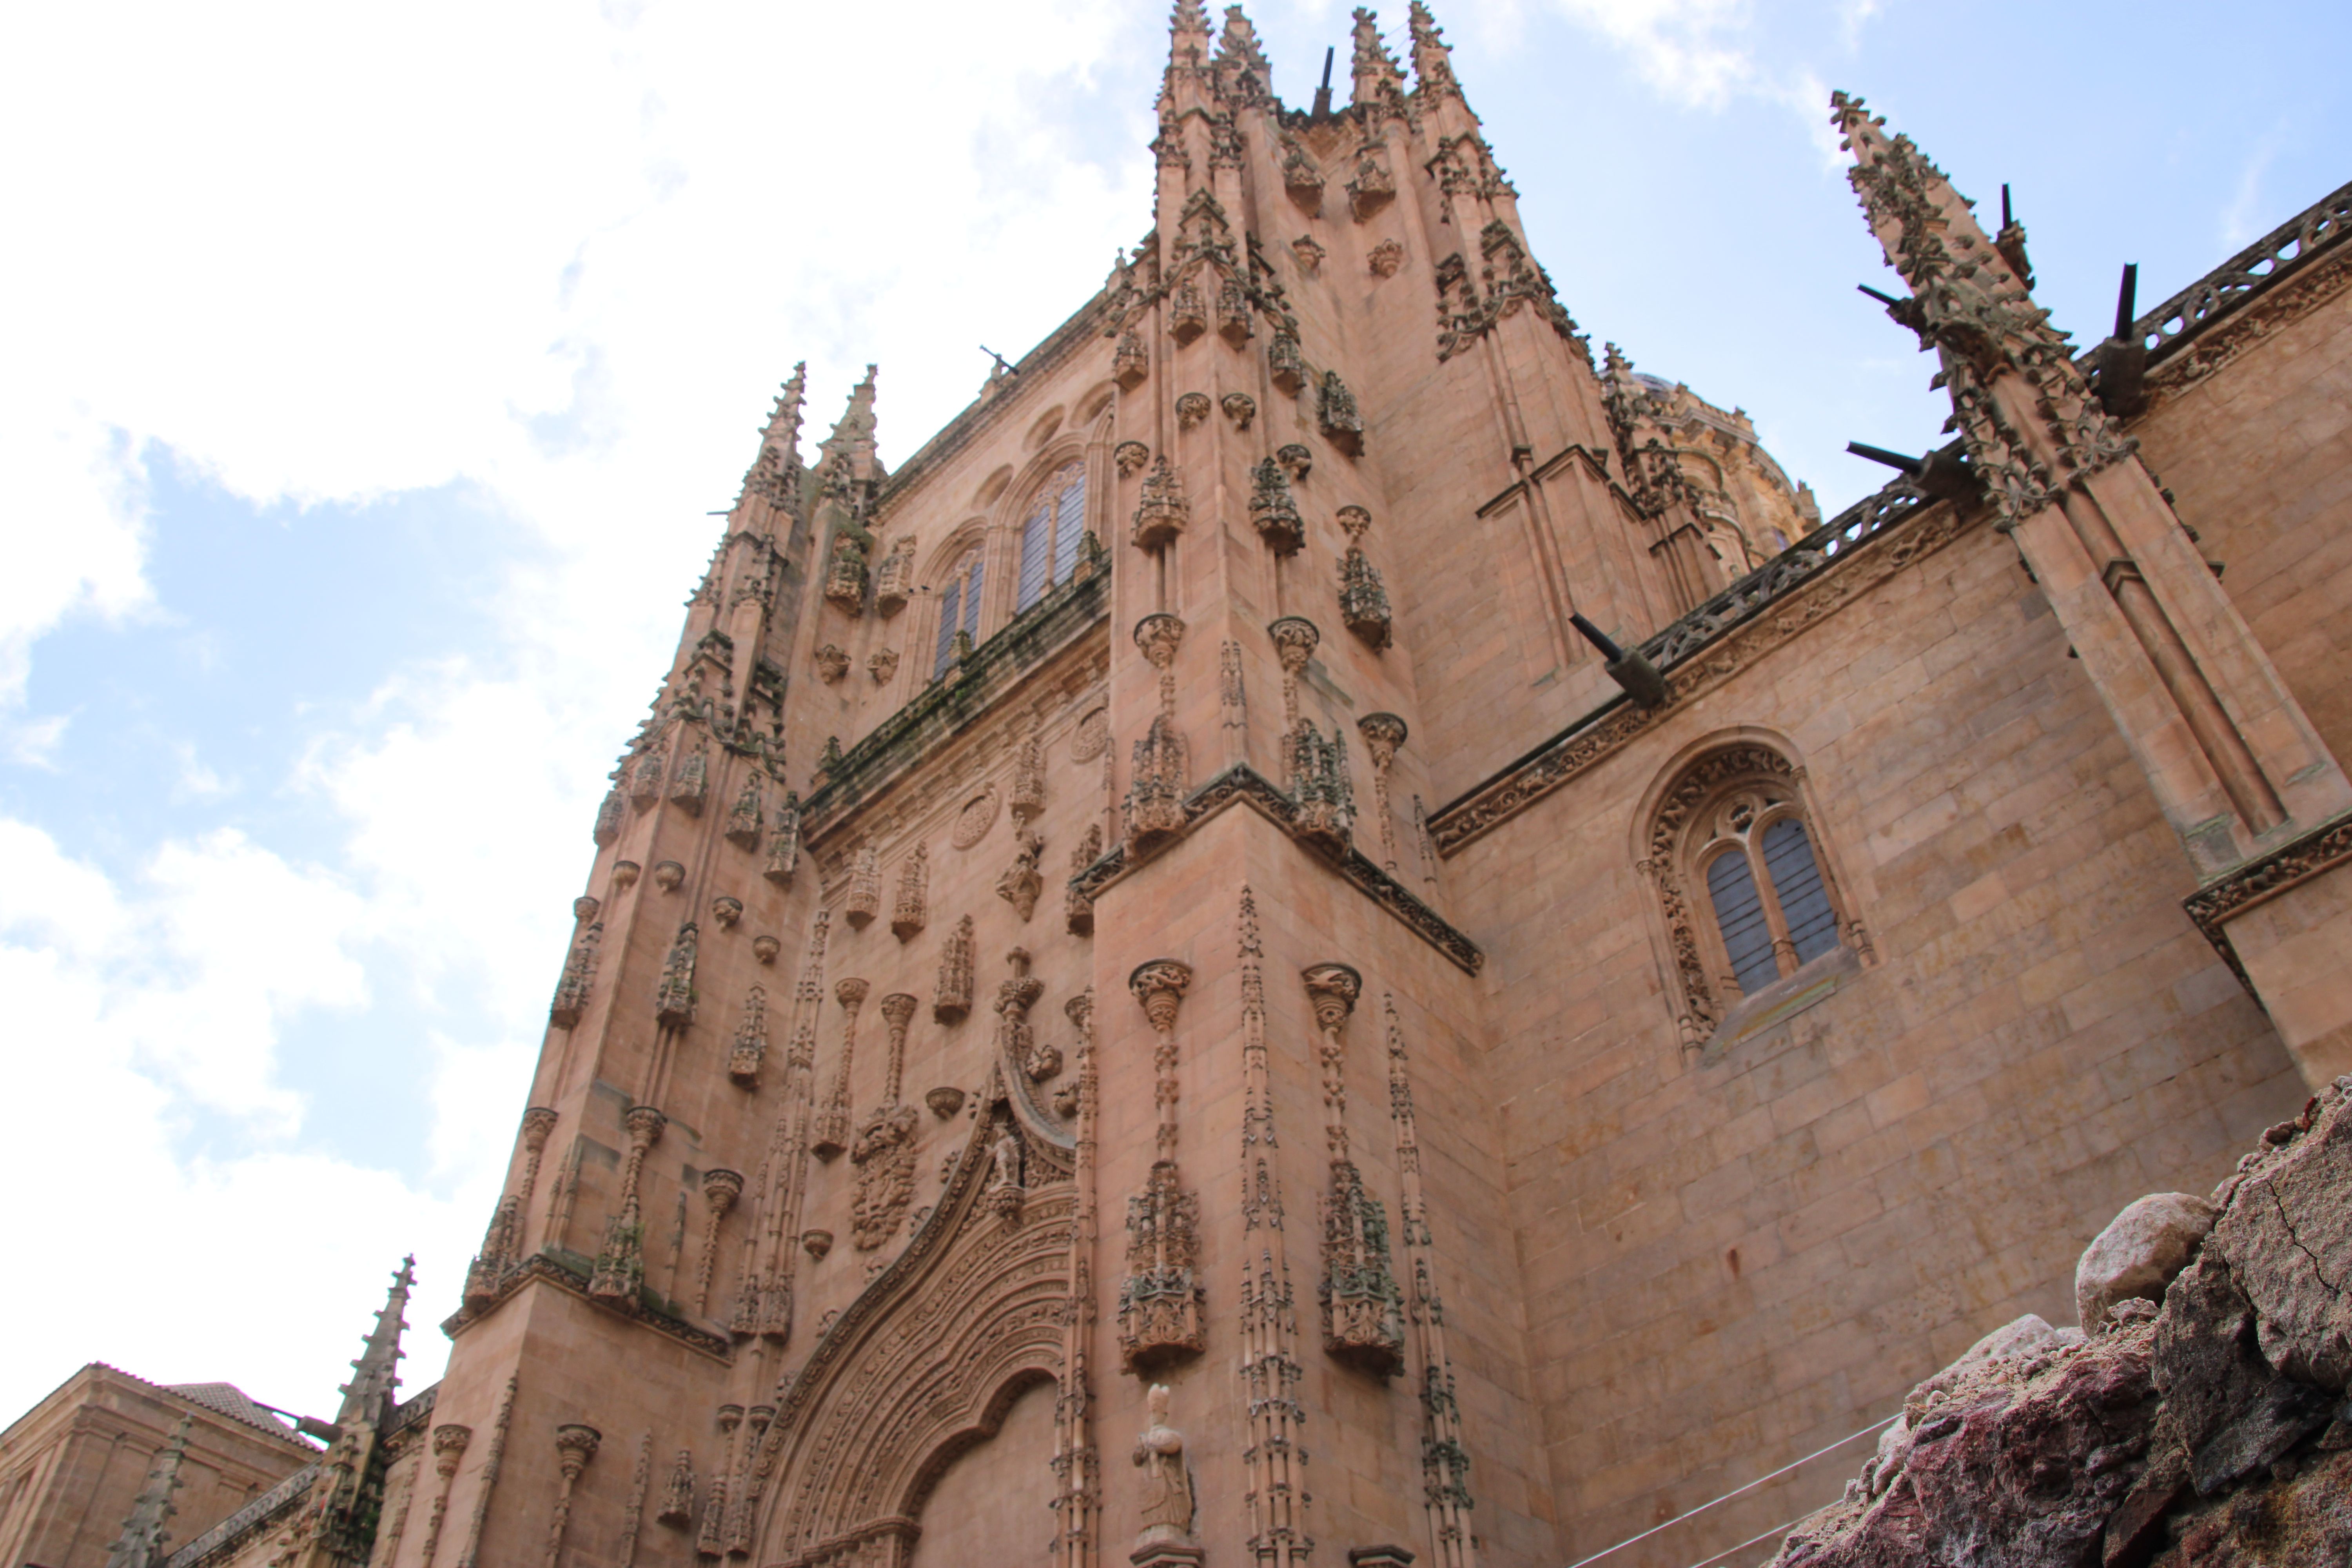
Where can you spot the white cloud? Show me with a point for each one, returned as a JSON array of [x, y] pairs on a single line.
[[1694, 52], [132, 1002], [322, 254]]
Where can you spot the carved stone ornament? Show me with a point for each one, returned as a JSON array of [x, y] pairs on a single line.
[[1159, 636], [1162, 513], [1310, 254], [1354, 520], [1005, 1195], [691, 782], [765, 948], [1021, 882], [1091, 738], [579, 977], [1240, 407], [1192, 409], [751, 1040], [1272, 511], [1233, 312], [646, 781], [978, 815], [785, 842], [744, 820], [832, 664], [1077, 907], [1335, 412], [1295, 642], [1385, 258], [884, 1155], [1161, 1304], [1160, 779], [1028, 779], [669, 875], [1296, 460], [1188, 318], [816, 1243], [726, 910], [952, 998], [894, 582], [674, 992], [1373, 187], [608, 818], [1325, 807], [1284, 366], [865, 900], [1164, 1492], [907, 912], [944, 1101], [1131, 362], [882, 665], [1364, 600], [1129, 456], [624, 874], [844, 576], [677, 1498]]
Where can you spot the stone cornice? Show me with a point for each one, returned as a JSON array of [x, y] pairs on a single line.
[[542, 1266], [220, 1543], [2212, 906], [945, 710], [2254, 272], [1244, 784], [1837, 563]]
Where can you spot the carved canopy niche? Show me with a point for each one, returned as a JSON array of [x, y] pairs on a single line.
[[925, 1363]]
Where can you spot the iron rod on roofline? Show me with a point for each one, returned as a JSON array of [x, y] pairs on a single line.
[[1638, 676], [1880, 454], [1323, 94], [2124, 297]]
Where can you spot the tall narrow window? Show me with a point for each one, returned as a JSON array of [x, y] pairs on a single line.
[[1739, 918], [1049, 534], [1748, 896], [1797, 878], [959, 608]]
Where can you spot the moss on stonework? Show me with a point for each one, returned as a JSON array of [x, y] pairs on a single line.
[[948, 705]]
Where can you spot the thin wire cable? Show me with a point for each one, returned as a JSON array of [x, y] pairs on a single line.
[[1751, 1541], [1727, 1496]]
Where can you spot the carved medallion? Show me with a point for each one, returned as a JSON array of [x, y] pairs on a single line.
[[1093, 736], [978, 816]]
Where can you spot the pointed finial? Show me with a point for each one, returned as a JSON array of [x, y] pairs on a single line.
[[1189, 17], [145, 1527], [367, 1398], [1432, 59], [1378, 81]]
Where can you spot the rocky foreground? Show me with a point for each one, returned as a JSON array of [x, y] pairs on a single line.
[[2199, 1415]]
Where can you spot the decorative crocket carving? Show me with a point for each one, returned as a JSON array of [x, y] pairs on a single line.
[[907, 914], [865, 900], [951, 997]]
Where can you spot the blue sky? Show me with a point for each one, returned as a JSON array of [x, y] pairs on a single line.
[[367, 377]]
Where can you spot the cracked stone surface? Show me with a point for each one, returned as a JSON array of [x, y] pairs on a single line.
[[2214, 1433]]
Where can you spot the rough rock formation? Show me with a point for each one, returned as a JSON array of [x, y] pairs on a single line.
[[2214, 1431]]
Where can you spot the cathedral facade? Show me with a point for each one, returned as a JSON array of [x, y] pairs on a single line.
[[1335, 930]]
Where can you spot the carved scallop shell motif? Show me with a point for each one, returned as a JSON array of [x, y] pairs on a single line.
[[978, 816], [1093, 737]]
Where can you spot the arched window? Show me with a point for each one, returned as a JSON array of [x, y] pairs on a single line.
[[959, 608], [1050, 533], [1747, 894]]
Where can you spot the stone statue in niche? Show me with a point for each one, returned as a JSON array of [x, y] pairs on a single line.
[[1005, 1194], [1166, 1494]]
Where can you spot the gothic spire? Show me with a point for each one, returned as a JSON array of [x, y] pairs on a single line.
[[1379, 80], [784, 431], [1243, 70], [145, 1527], [847, 458], [368, 1396], [1433, 58]]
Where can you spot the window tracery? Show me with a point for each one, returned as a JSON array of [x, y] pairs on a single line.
[[1050, 533], [1747, 895], [959, 607]]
